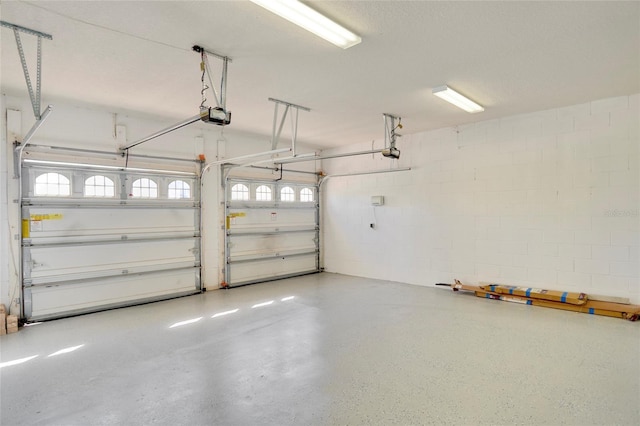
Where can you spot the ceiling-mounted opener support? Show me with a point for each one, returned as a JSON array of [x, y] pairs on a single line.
[[275, 134], [217, 115], [34, 97], [390, 136]]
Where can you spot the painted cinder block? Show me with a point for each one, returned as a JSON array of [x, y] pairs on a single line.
[[610, 253], [576, 251], [610, 163], [514, 274], [610, 285], [578, 280], [594, 179], [580, 110], [542, 249], [591, 266], [558, 126], [629, 178], [593, 121], [594, 236], [558, 236], [543, 276], [542, 142], [610, 104], [626, 269], [528, 261], [625, 237], [527, 157]]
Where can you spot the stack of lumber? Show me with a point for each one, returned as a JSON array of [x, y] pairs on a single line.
[[567, 301], [3, 320], [8, 323]]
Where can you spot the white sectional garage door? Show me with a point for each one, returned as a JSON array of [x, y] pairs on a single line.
[[272, 230], [96, 238]]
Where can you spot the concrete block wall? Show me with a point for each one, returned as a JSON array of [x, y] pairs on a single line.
[[549, 199]]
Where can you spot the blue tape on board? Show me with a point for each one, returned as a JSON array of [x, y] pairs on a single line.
[[528, 292], [511, 290], [529, 302], [563, 299], [592, 311]]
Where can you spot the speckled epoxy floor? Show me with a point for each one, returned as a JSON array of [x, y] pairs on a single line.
[[343, 350]]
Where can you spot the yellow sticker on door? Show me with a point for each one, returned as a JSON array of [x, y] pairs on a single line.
[[231, 218], [48, 216]]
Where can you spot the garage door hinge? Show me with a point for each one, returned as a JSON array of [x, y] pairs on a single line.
[[125, 271]]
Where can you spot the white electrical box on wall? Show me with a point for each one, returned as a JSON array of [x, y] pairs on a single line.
[[377, 200]]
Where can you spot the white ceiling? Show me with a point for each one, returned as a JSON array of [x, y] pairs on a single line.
[[511, 57]]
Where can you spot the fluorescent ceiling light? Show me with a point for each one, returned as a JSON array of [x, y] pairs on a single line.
[[451, 96], [307, 18]]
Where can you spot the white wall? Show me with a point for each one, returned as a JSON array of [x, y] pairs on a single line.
[[4, 221], [550, 199], [89, 127]]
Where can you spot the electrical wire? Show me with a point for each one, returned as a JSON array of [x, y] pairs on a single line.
[[375, 219], [203, 68], [399, 125]]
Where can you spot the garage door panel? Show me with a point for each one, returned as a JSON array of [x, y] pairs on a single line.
[[268, 269], [127, 256], [106, 273], [91, 295], [248, 245], [85, 253], [272, 238], [68, 221], [255, 217]]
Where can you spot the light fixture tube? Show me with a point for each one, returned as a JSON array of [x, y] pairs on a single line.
[[455, 98], [312, 21]]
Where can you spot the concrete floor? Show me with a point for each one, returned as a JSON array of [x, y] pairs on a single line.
[[344, 350]]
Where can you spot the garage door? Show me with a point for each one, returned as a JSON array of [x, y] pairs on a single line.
[[272, 230], [96, 238]]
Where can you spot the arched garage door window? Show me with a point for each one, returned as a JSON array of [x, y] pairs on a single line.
[[144, 188], [99, 186], [179, 189], [239, 192], [52, 185], [306, 195]]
